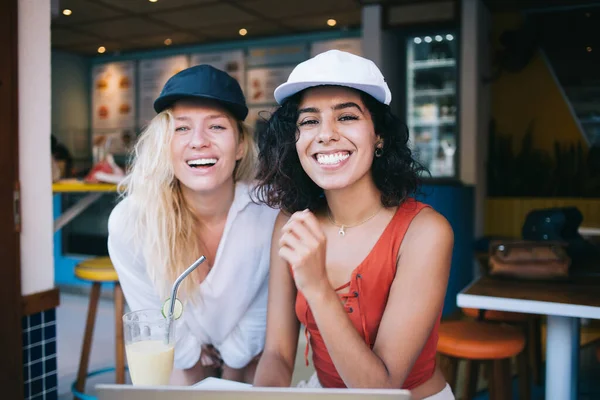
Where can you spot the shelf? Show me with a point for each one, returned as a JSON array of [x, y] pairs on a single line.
[[434, 92], [432, 122], [429, 64]]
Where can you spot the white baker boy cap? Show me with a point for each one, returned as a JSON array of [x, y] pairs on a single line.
[[339, 68]]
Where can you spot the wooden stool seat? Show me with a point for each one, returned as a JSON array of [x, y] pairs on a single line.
[[493, 315], [98, 269]]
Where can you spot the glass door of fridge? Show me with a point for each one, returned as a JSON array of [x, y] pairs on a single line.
[[432, 101]]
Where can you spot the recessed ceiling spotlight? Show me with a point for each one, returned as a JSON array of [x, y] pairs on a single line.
[[101, 49], [449, 37], [67, 12], [243, 32], [152, 1], [168, 42], [589, 49], [331, 22]]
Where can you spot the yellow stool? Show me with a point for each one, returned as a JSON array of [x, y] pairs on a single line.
[[98, 271]]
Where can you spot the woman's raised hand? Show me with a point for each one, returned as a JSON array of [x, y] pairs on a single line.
[[302, 245]]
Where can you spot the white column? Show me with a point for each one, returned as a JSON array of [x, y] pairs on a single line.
[[37, 263], [372, 35]]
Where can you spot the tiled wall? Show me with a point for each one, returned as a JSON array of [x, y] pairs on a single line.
[[39, 356]]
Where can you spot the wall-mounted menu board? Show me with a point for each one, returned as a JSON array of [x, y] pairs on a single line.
[[282, 55], [231, 62], [262, 82], [113, 95], [153, 76], [351, 45]]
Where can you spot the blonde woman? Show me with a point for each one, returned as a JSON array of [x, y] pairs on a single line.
[[188, 194]]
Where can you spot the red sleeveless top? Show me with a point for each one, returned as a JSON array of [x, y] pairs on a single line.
[[365, 303]]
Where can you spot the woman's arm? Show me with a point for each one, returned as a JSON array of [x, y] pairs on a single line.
[[276, 364], [415, 301]]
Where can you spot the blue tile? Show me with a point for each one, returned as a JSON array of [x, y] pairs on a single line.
[[25, 374], [36, 353], [50, 348], [27, 390], [50, 315], [24, 323], [51, 394], [35, 335], [50, 332], [37, 386], [50, 365], [37, 369], [35, 319], [25, 355], [25, 339], [50, 382]]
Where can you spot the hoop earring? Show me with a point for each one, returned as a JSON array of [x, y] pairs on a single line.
[[378, 152]]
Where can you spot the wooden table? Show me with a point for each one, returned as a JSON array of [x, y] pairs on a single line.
[[94, 190], [564, 303]]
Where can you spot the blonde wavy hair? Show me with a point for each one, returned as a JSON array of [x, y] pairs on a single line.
[[163, 223]]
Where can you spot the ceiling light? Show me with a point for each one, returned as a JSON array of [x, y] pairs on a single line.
[[418, 40], [331, 22], [168, 42], [428, 39], [101, 49], [449, 37], [67, 12], [589, 49], [438, 38], [243, 32], [152, 1]]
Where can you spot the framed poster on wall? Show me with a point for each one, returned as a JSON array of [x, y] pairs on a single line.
[[153, 76], [262, 82], [231, 62], [113, 95], [351, 45]]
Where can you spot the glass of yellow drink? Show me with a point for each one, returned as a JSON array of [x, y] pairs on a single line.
[[149, 356]]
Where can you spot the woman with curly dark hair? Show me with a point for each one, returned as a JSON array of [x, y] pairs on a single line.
[[355, 258]]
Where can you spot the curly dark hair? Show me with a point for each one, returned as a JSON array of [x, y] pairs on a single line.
[[283, 183]]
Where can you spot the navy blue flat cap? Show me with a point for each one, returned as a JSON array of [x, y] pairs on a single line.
[[204, 82]]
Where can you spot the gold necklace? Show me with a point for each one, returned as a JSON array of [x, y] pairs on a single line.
[[343, 227]]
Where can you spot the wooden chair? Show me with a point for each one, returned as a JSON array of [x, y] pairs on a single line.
[[478, 343], [98, 271]]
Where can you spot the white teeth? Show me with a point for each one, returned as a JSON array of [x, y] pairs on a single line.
[[331, 159], [202, 161]]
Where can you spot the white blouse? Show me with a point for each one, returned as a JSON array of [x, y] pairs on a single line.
[[232, 310]]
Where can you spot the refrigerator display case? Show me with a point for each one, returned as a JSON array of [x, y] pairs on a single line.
[[431, 101]]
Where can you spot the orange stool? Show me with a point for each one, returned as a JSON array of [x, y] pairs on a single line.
[[531, 325], [97, 271], [482, 342]]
